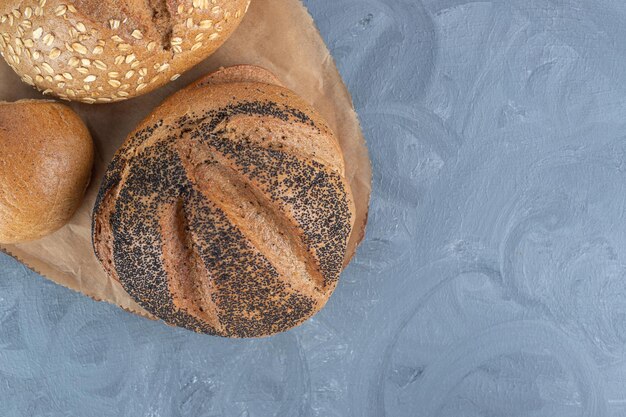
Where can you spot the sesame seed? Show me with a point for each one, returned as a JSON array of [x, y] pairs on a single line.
[[47, 68], [48, 39], [60, 10], [100, 65], [137, 34], [80, 48]]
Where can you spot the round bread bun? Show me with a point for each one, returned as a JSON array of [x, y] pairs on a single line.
[[101, 51], [227, 210], [46, 157]]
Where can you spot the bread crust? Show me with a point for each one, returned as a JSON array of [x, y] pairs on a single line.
[[102, 51], [46, 157], [227, 211]]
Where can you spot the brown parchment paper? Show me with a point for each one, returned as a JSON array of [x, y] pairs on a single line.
[[279, 35]]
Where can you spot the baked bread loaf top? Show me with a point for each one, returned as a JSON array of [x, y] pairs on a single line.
[[99, 51], [227, 212], [46, 156]]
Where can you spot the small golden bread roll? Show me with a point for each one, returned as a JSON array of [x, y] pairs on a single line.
[[46, 157]]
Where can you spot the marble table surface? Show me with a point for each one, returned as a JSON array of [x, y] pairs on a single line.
[[492, 281]]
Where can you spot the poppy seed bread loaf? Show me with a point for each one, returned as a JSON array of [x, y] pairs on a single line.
[[227, 211], [46, 157], [100, 51]]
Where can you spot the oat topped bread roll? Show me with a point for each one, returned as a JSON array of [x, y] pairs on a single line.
[[227, 211], [99, 51]]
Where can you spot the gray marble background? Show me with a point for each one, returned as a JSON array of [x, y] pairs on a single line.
[[493, 278]]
